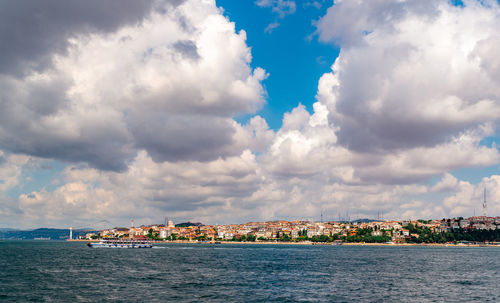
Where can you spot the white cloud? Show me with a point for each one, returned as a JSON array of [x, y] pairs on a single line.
[[315, 4], [10, 170], [468, 198], [12, 167], [411, 96], [189, 190], [410, 74], [448, 182], [171, 85], [271, 27], [280, 7]]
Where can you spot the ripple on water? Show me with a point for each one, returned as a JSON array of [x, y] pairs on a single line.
[[70, 272]]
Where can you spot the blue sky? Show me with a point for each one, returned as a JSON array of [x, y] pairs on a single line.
[[220, 127], [291, 54], [295, 40]]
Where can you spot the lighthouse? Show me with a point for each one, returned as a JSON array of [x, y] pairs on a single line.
[[71, 233]]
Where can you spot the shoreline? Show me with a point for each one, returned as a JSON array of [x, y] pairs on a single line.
[[314, 243], [360, 244]]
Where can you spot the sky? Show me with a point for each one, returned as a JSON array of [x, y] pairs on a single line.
[[234, 111]]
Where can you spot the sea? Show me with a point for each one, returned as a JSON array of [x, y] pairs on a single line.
[[57, 271]]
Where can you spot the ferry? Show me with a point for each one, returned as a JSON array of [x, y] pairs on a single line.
[[121, 243]]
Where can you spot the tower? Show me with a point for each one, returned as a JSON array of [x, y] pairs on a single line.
[[484, 203]]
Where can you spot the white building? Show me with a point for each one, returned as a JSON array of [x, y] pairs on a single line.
[[164, 233]]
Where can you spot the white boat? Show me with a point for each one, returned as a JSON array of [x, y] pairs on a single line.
[[121, 243]]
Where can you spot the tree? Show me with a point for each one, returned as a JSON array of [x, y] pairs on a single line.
[[251, 238], [201, 238], [285, 238], [321, 238]]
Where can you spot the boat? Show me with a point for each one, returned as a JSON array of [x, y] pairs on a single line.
[[121, 243]]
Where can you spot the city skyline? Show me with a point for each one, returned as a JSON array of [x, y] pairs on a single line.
[[454, 230], [238, 111]]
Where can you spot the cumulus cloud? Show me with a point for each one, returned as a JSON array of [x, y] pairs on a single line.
[[307, 144], [147, 190], [410, 73], [227, 190], [10, 170], [169, 84], [43, 28], [413, 95], [12, 167], [468, 198], [448, 182]]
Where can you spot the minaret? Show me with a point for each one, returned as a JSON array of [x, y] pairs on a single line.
[[484, 203]]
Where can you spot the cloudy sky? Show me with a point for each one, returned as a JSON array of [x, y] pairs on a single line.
[[232, 111]]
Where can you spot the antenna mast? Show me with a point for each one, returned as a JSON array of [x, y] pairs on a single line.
[[484, 203]]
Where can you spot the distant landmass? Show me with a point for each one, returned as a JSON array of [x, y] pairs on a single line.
[[187, 224], [364, 220], [52, 233]]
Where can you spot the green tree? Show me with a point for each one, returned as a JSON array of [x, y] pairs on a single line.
[[285, 238], [251, 238]]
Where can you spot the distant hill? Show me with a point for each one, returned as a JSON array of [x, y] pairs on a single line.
[[52, 233], [364, 221], [187, 224]]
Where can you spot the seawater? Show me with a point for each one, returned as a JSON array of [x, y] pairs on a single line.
[[51, 271]]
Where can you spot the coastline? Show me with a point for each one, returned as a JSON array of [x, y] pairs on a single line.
[[362, 244], [315, 243]]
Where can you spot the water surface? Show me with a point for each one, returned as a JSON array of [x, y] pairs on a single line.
[[54, 271]]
